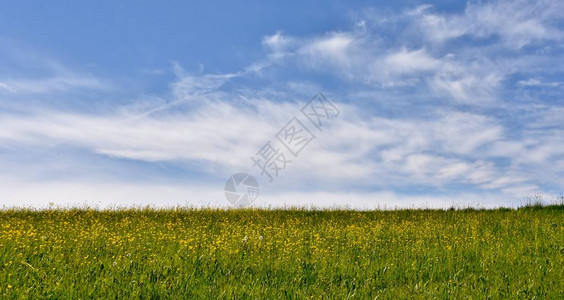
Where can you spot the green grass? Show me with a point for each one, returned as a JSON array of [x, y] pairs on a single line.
[[287, 254]]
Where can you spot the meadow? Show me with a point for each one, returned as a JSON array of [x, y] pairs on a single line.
[[282, 254]]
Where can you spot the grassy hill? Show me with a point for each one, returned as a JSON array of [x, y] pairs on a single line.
[[289, 254]]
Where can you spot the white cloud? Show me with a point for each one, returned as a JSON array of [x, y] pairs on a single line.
[[449, 147], [218, 127], [405, 61], [536, 82], [333, 46], [57, 83], [278, 42], [188, 86], [104, 195], [336, 51], [409, 49], [517, 23], [44, 75], [467, 88], [6, 87]]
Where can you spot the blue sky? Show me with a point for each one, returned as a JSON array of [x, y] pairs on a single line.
[[143, 103]]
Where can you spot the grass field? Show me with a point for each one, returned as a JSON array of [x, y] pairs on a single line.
[[288, 254]]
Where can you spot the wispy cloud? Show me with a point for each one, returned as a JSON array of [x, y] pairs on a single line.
[[457, 128], [535, 82], [51, 84], [462, 56], [516, 23], [44, 75], [448, 148]]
